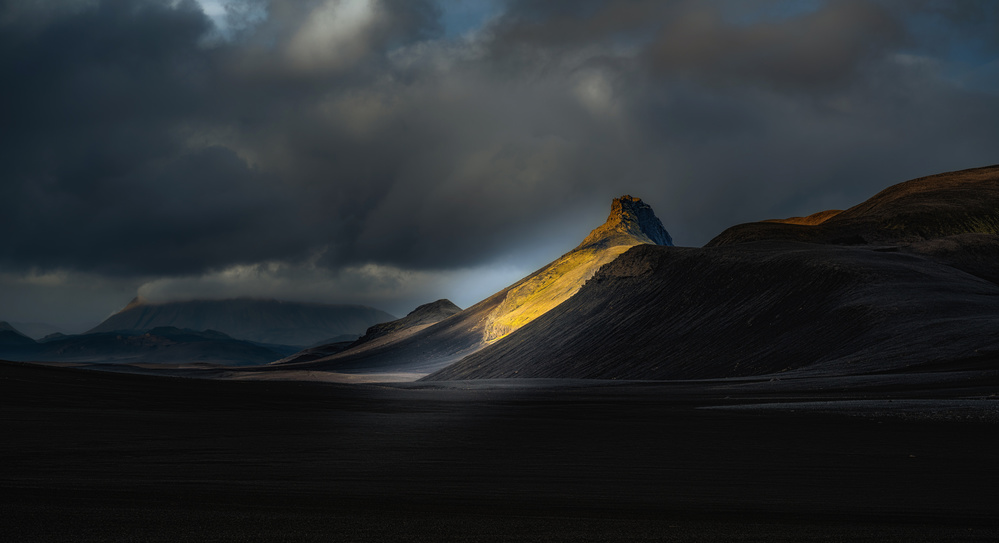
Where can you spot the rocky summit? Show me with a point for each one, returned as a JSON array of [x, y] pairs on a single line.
[[632, 218]]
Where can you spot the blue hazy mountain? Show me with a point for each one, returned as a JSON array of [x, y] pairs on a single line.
[[263, 321]]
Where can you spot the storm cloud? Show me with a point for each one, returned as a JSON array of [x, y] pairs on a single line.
[[358, 146]]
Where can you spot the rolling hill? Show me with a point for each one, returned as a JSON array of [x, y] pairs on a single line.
[[930, 207], [384, 333]]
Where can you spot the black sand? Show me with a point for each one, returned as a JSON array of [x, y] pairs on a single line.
[[91, 456]]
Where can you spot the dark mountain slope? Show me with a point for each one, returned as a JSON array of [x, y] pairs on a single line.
[[263, 321], [753, 309], [11, 337], [631, 222], [925, 208]]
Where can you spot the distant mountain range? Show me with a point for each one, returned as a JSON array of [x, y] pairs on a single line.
[[161, 345], [217, 332], [263, 321], [38, 330]]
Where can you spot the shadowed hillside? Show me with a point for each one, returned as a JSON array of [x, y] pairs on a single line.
[[382, 334], [741, 307], [419, 318], [757, 308]]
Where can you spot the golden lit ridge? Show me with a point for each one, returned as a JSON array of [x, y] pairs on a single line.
[[631, 222]]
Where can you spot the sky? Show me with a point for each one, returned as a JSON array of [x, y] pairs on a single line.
[[393, 152]]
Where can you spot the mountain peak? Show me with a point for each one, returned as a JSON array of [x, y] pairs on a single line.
[[442, 307], [630, 217]]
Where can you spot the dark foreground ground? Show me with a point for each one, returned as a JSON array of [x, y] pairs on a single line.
[[87, 455]]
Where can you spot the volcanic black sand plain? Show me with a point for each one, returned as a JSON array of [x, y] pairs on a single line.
[[90, 456]]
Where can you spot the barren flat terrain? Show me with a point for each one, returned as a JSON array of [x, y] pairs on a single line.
[[90, 455]]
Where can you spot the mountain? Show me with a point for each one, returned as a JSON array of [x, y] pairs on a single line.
[[159, 345], [631, 222], [263, 321], [419, 318], [11, 337], [906, 281], [383, 333]]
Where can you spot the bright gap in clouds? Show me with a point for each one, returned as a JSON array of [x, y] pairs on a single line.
[[215, 10], [250, 13]]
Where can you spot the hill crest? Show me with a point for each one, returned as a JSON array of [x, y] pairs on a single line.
[[914, 211]]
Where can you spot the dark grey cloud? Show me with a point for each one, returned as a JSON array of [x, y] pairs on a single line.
[[349, 143], [807, 46], [138, 146], [811, 50], [111, 114], [97, 175]]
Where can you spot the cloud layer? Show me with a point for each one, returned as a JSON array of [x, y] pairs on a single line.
[[147, 141]]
